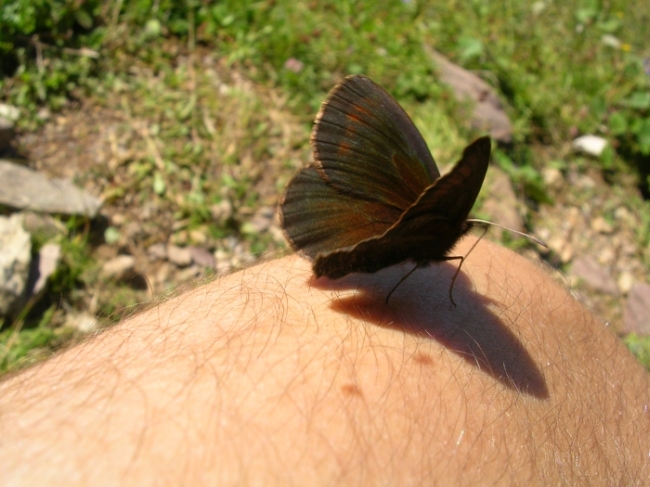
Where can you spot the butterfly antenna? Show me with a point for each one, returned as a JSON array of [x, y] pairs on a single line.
[[400, 282], [530, 237]]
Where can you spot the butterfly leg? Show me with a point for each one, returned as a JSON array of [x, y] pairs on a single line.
[[462, 259], [455, 257], [447, 258], [400, 282], [453, 279]]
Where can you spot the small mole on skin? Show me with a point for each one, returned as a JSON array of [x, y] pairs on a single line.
[[423, 358], [351, 390]]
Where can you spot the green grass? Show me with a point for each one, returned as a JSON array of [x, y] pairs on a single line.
[[196, 134], [640, 347]]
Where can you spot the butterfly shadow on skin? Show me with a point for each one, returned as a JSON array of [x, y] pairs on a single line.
[[421, 306]]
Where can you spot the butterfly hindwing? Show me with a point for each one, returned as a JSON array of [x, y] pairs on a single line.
[[317, 218]]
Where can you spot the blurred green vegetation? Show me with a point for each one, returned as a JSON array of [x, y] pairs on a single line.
[[640, 347], [560, 65], [562, 69]]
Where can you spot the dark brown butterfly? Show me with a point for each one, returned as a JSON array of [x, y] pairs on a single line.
[[374, 196]]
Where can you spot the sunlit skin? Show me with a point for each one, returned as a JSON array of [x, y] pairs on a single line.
[[268, 377]]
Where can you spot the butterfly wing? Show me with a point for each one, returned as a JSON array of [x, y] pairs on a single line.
[[318, 218], [452, 196], [367, 146], [427, 230], [371, 165]]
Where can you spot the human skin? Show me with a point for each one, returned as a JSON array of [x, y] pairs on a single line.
[[267, 377]]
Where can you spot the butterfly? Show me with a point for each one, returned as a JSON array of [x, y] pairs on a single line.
[[374, 196]]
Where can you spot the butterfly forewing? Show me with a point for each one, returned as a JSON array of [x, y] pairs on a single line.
[[366, 145]]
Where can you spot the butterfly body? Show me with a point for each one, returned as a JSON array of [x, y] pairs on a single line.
[[419, 240], [374, 196]]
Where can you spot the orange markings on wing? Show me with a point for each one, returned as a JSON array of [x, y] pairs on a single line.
[[343, 148], [353, 118]]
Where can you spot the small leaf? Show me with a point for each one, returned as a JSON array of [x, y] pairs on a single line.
[[607, 157], [639, 100], [611, 25], [618, 123], [587, 13], [643, 136], [83, 18], [470, 47], [111, 235], [152, 29], [159, 185]]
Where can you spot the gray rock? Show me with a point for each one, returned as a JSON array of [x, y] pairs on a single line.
[[202, 257], [43, 226], [198, 236], [590, 144], [488, 111], [180, 256], [261, 221], [22, 187], [44, 113], [83, 322], [224, 260], [9, 112], [636, 314], [43, 267], [625, 282], [562, 248], [600, 225], [161, 277], [119, 268], [6, 134], [502, 205], [157, 251], [188, 273], [594, 276], [553, 177], [621, 214], [15, 258], [222, 211]]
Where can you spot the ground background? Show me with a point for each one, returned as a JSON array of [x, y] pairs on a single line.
[[189, 118]]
